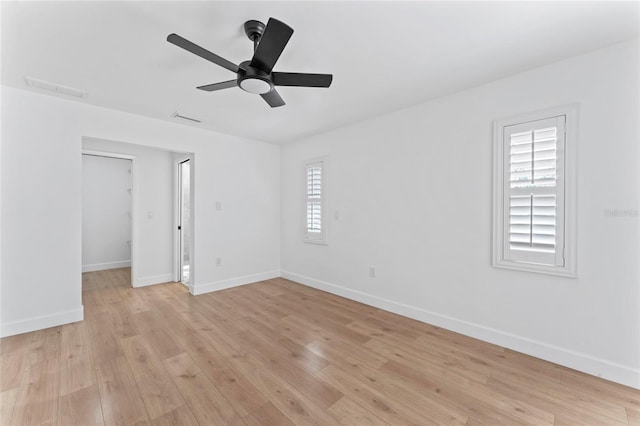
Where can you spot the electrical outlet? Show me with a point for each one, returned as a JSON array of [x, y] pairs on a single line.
[[218, 261], [372, 271]]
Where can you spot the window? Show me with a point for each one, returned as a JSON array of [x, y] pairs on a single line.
[[315, 225], [534, 192]]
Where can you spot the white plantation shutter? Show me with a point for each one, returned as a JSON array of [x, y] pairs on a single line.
[[315, 202], [532, 223], [314, 198], [533, 192]]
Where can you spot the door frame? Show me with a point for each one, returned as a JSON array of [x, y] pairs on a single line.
[[177, 261], [134, 201]]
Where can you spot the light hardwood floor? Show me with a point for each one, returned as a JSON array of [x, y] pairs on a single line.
[[279, 353]]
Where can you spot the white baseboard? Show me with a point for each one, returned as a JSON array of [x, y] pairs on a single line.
[[41, 322], [612, 371], [107, 265], [151, 280], [233, 282]]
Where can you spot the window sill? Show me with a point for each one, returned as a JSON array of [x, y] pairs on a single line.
[[561, 271], [319, 242]]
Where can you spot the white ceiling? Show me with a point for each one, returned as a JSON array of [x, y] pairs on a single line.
[[384, 55]]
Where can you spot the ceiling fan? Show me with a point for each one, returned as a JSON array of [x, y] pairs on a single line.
[[257, 75]]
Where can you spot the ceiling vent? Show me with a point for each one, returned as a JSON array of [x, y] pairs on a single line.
[[184, 117], [63, 90]]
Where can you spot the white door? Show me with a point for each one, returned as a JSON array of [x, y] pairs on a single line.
[[184, 220]]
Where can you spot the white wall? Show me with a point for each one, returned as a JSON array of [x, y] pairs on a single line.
[[153, 214], [413, 190], [41, 216], [106, 213]]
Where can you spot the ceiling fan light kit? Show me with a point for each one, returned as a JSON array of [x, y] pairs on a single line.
[[256, 75], [253, 80]]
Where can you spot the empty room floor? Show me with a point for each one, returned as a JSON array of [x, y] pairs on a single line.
[[279, 353]]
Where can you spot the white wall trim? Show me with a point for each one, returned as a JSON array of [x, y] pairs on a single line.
[[153, 279], [614, 372], [106, 265], [198, 289], [108, 154], [41, 322]]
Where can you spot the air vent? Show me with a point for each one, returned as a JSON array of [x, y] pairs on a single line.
[[63, 90], [184, 117]]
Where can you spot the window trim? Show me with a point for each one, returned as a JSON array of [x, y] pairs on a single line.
[[569, 269], [322, 238]]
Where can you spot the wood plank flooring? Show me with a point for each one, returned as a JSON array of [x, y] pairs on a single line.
[[279, 353]]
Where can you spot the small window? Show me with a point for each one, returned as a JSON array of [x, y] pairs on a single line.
[[315, 206], [534, 195]]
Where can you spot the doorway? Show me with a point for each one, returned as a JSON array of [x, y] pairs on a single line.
[[107, 211], [155, 210], [184, 221]]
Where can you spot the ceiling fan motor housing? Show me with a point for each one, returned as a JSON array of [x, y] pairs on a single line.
[[253, 80]]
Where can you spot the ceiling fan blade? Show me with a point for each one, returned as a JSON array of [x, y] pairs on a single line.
[[219, 86], [301, 79], [273, 98], [203, 53], [275, 38]]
